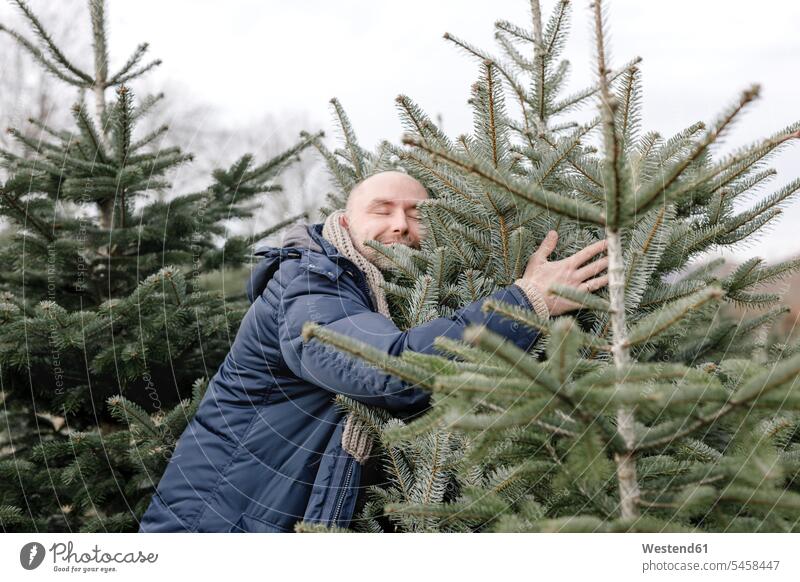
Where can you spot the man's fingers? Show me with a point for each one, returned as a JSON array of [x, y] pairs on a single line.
[[584, 255], [547, 246], [592, 269], [594, 284]]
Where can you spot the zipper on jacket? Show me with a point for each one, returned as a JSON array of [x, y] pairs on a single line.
[[345, 485], [365, 289]]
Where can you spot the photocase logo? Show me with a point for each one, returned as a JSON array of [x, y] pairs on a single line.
[[31, 555]]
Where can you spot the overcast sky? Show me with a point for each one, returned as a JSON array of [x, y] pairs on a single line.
[[249, 58]]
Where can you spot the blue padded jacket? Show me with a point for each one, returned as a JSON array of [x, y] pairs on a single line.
[[264, 449]]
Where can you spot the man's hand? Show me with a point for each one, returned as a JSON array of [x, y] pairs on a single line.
[[572, 272]]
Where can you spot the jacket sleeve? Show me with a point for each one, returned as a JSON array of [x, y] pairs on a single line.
[[341, 307]]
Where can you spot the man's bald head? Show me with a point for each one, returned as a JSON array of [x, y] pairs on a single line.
[[398, 185], [383, 207]]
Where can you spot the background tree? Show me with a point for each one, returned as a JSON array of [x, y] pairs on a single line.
[[646, 410], [106, 325]]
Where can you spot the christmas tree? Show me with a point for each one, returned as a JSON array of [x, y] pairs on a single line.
[[107, 330], [644, 410]]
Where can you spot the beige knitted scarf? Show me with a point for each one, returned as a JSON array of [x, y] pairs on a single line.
[[355, 438]]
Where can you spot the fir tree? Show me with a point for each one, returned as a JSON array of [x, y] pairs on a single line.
[[107, 331], [645, 410]]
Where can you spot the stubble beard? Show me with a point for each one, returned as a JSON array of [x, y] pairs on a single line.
[[372, 255]]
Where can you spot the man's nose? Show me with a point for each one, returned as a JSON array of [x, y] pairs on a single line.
[[400, 223]]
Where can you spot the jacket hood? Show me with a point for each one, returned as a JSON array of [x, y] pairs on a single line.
[[298, 240], [298, 236]]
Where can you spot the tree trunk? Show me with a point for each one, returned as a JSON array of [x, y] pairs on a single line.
[[626, 463]]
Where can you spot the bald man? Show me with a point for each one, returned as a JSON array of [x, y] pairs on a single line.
[[268, 446]]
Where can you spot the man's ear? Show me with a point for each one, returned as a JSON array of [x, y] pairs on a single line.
[[343, 221]]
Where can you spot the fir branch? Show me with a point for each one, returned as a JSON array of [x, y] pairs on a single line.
[[649, 194], [48, 42], [350, 140], [134, 74], [25, 216], [42, 60], [575, 209], [663, 319], [574, 100]]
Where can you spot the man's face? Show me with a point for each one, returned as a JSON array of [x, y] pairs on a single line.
[[383, 208]]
